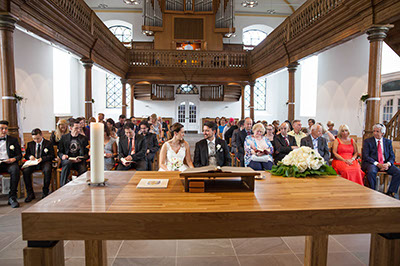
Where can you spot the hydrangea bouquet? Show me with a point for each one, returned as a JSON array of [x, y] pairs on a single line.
[[174, 164], [302, 162]]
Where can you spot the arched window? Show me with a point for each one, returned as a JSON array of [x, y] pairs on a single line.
[[123, 33], [260, 95], [252, 37], [114, 92]]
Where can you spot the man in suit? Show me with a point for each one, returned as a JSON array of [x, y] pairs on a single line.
[[10, 154], [317, 142], [283, 143], [248, 124], [70, 147], [151, 143], [378, 156], [42, 150], [132, 148], [211, 150]]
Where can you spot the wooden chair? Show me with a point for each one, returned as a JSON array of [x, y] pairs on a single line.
[[233, 161], [155, 163], [20, 183]]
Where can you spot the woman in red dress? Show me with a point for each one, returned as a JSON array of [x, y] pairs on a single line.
[[345, 153]]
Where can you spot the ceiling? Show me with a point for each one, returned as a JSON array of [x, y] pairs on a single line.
[[281, 7]]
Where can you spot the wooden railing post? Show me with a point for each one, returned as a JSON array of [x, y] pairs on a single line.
[[7, 26], [376, 35]]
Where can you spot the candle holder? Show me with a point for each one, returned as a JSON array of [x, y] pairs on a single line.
[[101, 184]]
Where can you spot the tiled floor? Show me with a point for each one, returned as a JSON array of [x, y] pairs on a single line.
[[343, 249]]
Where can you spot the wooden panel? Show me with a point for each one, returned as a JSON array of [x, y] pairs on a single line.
[[384, 251], [189, 28], [45, 256], [316, 250], [95, 253]]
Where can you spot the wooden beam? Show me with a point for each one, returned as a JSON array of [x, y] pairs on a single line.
[[291, 101], [88, 64], [124, 81]]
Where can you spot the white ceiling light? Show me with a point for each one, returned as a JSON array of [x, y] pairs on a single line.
[[103, 6], [249, 3], [132, 2]]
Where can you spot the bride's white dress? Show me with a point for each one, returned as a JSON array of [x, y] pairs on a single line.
[[172, 154]]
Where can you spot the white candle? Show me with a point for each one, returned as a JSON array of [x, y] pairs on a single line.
[[96, 153]]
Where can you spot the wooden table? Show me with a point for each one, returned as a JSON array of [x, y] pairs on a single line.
[[314, 207]]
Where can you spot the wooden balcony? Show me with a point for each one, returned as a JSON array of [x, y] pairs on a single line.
[[188, 59], [171, 66]]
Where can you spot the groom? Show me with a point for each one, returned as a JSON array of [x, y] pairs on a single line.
[[211, 150]]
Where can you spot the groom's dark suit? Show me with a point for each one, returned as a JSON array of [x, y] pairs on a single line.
[[221, 153]]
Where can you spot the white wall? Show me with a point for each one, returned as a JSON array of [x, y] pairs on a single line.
[[343, 78]]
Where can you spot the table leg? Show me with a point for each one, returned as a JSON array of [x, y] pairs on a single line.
[[96, 252], [186, 184], [44, 253], [316, 251], [385, 250]]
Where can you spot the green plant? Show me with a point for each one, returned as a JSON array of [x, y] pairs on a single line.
[[364, 97]]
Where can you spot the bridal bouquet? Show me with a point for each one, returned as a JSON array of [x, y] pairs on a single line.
[[174, 164], [302, 162]]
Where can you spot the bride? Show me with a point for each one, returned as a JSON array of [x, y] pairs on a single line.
[[175, 151]]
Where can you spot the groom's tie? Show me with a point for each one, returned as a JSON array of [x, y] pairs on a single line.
[[212, 160]]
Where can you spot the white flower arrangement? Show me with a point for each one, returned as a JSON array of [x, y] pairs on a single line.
[[174, 164], [46, 150], [12, 147], [302, 162]]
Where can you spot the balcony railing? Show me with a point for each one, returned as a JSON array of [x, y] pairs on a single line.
[[188, 59]]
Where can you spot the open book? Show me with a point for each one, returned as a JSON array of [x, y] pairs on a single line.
[[76, 158], [124, 161], [216, 169], [153, 183], [30, 163], [264, 152]]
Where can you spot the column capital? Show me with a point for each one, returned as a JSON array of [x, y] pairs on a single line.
[[252, 83], [87, 63], [124, 81], [7, 21], [293, 66], [377, 32]]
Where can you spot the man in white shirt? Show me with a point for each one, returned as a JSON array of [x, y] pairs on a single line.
[[10, 154]]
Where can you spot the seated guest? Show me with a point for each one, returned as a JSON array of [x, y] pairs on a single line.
[[248, 124], [155, 126], [311, 122], [317, 142], [10, 154], [110, 149], [230, 123], [121, 122], [222, 125], [175, 150], [112, 128], [269, 132], [275, 123], [284, 143], [326, 134], [333, 131], [211, 150], [378, 155], [165, 128], [290, 125], [151, 143], [132, 148], [100, 118], [70, 147], [42, 150], [228, 133], [235, 134], [62, 129], [345, 154], [258, 150], [217, 121], [296, 132]]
